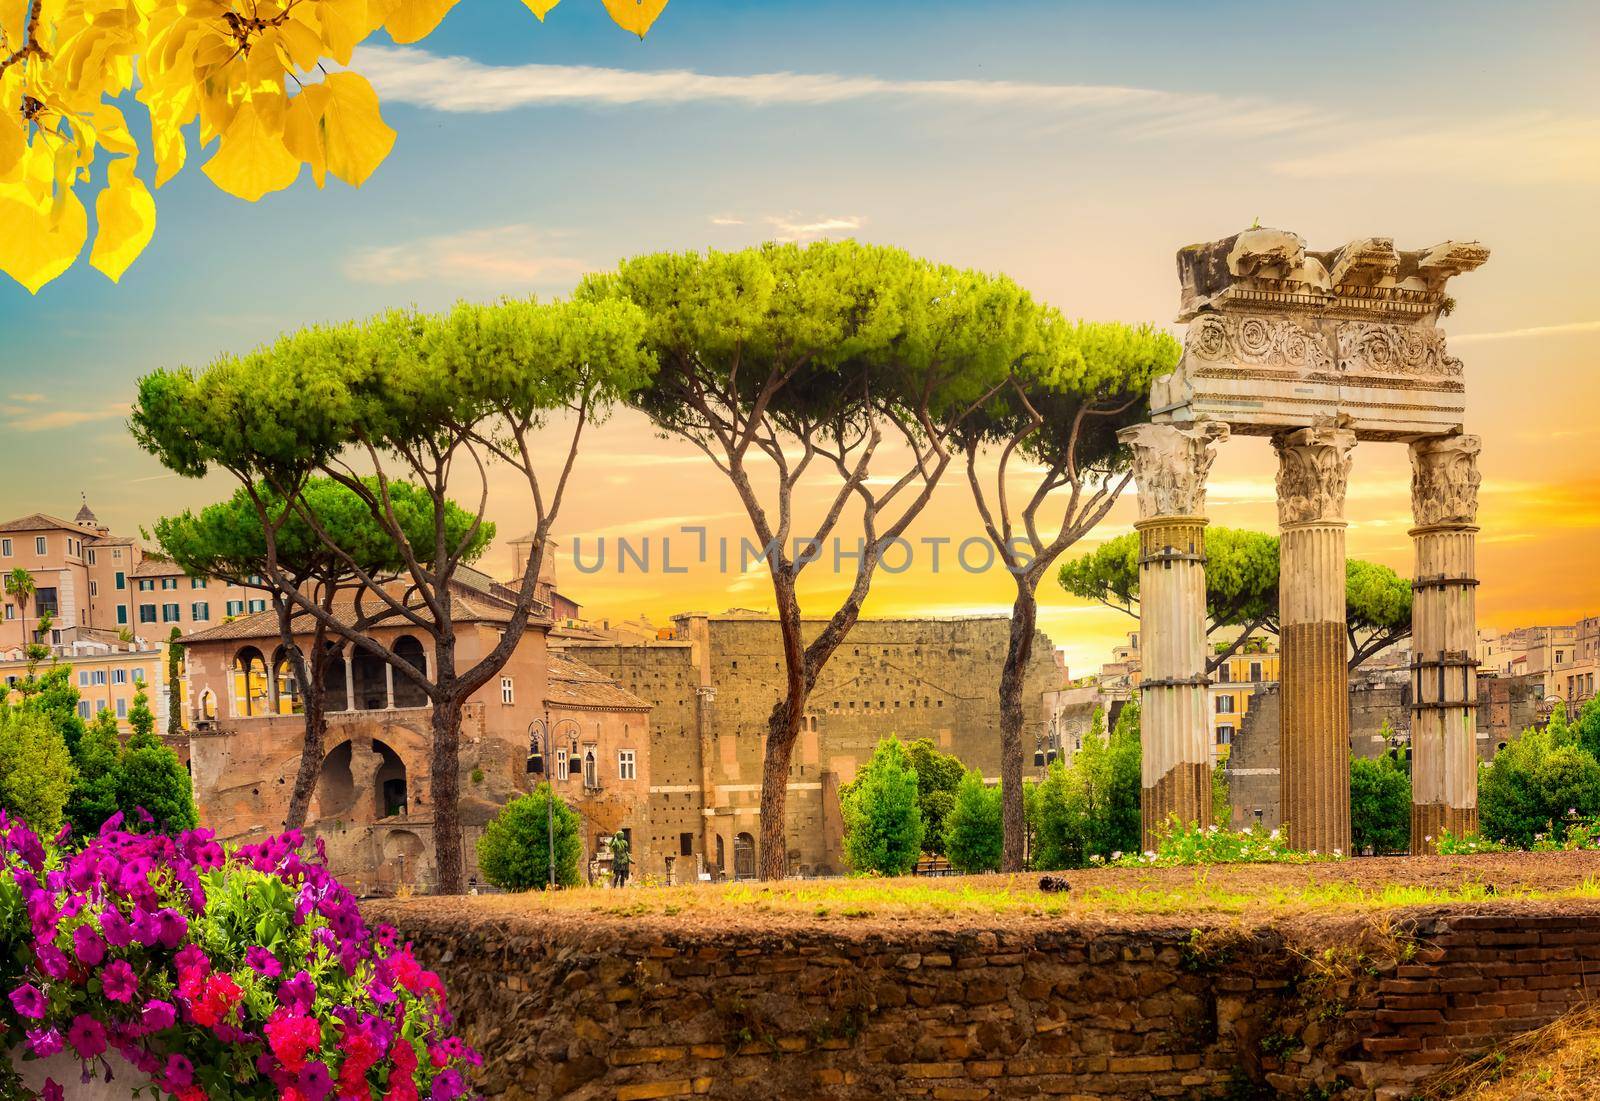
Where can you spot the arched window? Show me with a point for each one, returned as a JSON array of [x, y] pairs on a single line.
[[290, 701], [744, 857], [208, 706], [335, 679], [336, 786], [407, 692], [249, 683], [390, 781], [591, 769], [372, 683]]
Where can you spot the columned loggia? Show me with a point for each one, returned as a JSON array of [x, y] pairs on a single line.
[[1444, 633], [1170, 464], [1313, 469]]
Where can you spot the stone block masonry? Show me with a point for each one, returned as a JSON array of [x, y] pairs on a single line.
[[744, 1005]]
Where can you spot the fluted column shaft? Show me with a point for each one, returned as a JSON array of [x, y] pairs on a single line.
[[1444, 630], [1313, 468], [1170, 467]]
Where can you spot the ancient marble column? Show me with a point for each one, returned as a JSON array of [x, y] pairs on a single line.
[[1313, 467], [1170, 463], [1444, 634]]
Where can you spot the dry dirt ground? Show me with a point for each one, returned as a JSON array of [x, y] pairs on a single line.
[[1117, 897]]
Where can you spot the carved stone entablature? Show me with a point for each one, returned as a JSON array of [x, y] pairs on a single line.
[[1258, 341], [1170, 464], [1367, 347], [1366, 277], [1313, 469], [1444, 480]]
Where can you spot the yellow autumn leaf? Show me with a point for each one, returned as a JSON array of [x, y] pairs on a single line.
[[635, 15], [303, 45], [355, 136], [540, 8], [302, 129], [409, 20], [345, 23], [13, 142], [252, 159], [126, 218], [36, 246]]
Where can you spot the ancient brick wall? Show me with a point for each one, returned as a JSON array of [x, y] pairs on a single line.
[[624, 1009]]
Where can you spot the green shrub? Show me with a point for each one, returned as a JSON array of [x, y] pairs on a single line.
[[882, 821], [35, 769], [1539, 786], [514, 852], [1380, 805], [1185, 844], [973, 837], [1088, 811]]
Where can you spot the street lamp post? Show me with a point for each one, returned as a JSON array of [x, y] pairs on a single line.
[[541, 747]]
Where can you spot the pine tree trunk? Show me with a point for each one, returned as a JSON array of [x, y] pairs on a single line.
[[1019, 651], [312, 750], [446, 787], [783, 728]]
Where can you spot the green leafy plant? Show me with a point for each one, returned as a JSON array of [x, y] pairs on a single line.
[[883, 823], [514, 853]]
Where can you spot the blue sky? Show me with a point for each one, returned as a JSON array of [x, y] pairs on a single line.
[[1090, 141]]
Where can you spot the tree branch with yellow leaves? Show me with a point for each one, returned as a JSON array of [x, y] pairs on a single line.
[[215, 72]]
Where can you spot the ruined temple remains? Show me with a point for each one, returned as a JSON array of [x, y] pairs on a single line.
[[1319, 351]]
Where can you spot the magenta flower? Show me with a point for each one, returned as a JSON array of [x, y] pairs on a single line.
[[119, 982], [87, 1037], [52, 1091], [115, 928], [52, 961], [157, 1015], [87, 944], [262, 962], [45, 1042], [179, 1071], [29, 1001]]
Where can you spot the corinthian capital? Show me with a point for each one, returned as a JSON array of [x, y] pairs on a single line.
[[1444, 480], [1313, 468], [1170, 464]]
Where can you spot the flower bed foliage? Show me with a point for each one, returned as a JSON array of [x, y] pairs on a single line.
[[224, 975], [1187, 843]]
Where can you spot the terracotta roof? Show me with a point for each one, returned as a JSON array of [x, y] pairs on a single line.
[[156, 566], [264, 625], [576, 684], [43, 521]]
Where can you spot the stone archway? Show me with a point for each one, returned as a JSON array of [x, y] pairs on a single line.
[[744, 856], [336, 787]]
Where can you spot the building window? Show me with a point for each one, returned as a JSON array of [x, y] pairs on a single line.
[[1224, 705], [200, 583], [11, 611], [1255, 670], [200, 611], [99, 677], [83, 709], [94, 588], [122, 615], [169, 582], [91, 556], [685, 845], [171, 613], [147, 613], [122, 580], [138, 676], [146, 585], [122, 711], [46, 601], [235, 607], [119, 676], [5, 547], [257, 606], [1224, 673], [83, 679], [39, 545], [563, 766], [1224, 735], [507, 695], [625, 764]]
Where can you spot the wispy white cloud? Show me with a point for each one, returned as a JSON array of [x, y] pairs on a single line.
[[726, 220], [66, 418], [503, 255], [1519, 147], [791, 227], [1533, 331], [460, 84]]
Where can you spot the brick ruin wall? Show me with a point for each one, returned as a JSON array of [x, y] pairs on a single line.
[[630, 1010], [1507, 706], [916, 678]]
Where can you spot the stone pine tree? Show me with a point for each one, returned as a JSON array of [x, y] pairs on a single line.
[[1242, 591], [834, 373], [433, 401], [228, 540], [1057, 420]]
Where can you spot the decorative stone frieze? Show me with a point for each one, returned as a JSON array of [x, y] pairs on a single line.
[[1259, 341], [1444, 480], [1313, 470], [1368, 347], [1170, 463]]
